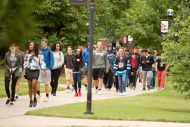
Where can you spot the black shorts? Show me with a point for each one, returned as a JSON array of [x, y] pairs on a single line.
[[98, 73]]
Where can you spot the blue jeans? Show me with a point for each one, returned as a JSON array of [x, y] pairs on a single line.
[[122, 82], [77, 80]]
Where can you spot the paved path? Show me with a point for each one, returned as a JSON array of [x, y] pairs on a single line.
[[14, 115]]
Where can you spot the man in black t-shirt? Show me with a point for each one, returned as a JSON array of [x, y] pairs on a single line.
[[68, 64]]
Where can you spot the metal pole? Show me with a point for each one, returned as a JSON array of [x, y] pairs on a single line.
[[91, 39]]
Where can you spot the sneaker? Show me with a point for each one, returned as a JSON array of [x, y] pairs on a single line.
[[120, 94], [16, 97], [31, 103], [134, 87], [11, 103], [140, 81], [148, 86], [54, 94], [35, 102], [46, 99], [68, 91], [99, 92], [123, 94], [76, 95], [38, 97], [7, 102], [79, 94], [144, 89]]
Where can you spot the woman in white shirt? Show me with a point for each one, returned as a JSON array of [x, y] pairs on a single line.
[[32, 66], [58, 63]]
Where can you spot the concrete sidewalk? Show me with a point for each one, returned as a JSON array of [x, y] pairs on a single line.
[[14, 115]]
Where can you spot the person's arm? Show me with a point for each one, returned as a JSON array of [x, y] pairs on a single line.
[[51, 59], [6, 62]]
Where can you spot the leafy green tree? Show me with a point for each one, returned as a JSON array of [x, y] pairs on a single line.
[[177, 49]]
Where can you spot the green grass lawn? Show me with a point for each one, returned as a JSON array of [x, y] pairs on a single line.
[[165, 105], [24, 87]]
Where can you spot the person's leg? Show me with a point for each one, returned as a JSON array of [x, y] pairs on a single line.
[[154, 79], [47, 82], [100, 78], [149, 78], [52, 84], [162, 79], [67, 79], [116, 83], [56, 79], [95, 79], [17, 88], [159, 79], [144, 79], [105, 80], [34, 83], [110, 79], [71, 79], [13, 87], [30, 92], [79, 84], [7, 81], [75, 83], [124, 82], [120, 84]]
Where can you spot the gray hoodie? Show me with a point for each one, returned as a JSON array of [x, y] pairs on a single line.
[[100, 59]]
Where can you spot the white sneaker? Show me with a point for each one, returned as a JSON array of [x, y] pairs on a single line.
[[68, 91], [124, 94], [96, 91], [120, 94], [99, 92], [46, 99]]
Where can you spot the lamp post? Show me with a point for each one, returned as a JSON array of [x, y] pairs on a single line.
[[91, 39]]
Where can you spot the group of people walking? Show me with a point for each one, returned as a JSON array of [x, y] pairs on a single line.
[[111, 66]]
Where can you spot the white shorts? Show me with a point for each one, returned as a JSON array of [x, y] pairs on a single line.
[[45, 79]]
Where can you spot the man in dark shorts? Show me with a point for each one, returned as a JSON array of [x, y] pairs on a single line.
[[100, 65]]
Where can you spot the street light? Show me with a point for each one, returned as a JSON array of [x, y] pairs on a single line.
[[91, 40]]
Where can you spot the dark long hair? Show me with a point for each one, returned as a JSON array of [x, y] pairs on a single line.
[[35, 49], [53, 47]]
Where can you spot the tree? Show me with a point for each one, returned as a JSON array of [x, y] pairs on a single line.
[[177, 49]]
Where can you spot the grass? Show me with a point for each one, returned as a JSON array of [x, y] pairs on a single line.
[[23, 87], [166, 106]]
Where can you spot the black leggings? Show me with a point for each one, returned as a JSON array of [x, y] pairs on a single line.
[[133, 77], [54, 79], [109, 79], [13, 85]]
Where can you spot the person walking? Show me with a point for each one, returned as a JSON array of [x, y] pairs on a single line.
[[22, 55], [78, 64], [13, 62], [135, 63], [109, 77], [100, 64], [85, 55], [122, 66], [68, 64], [147, 61], [161, 69], [56, 71], [32, 71], [49, 61], [154, 69]]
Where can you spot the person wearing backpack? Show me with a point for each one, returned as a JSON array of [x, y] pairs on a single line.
[[56, 71], [49, 61], [122, 66]]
